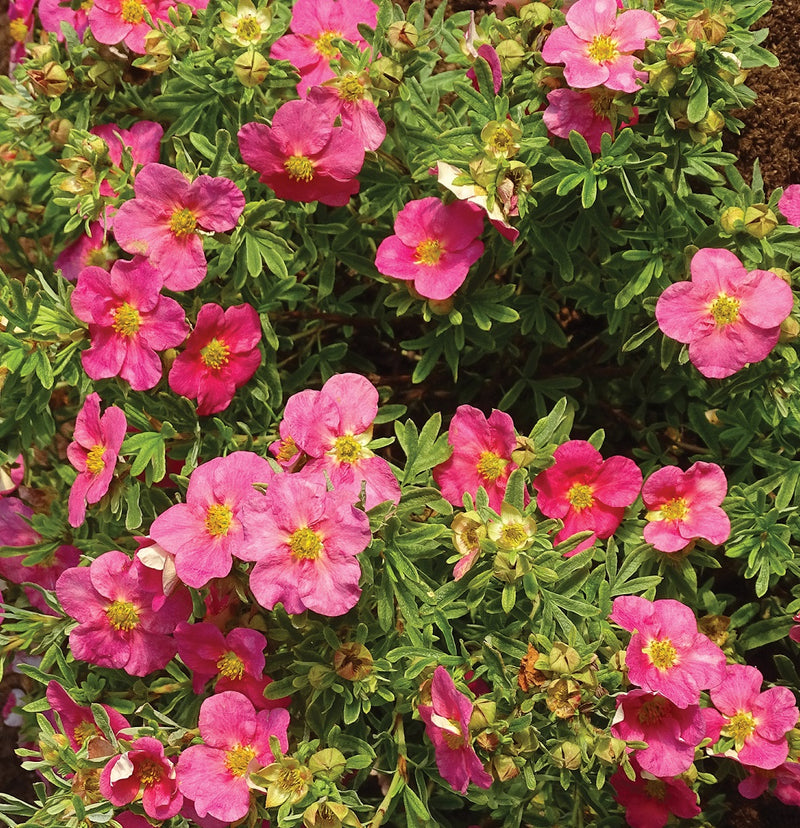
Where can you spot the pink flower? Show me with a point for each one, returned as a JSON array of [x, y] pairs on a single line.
[[89, 250], [333, 427], [787, 783], [666, 653], [756, 722], [53, 13], [215, 775], [315, 24], [489, 54], [93, 452], [794, 633], [589, 113], [20, 26], [648, 801], [434, 245], [683, 506], [115, 21], [113, 602], [206, 531], [346, 97], [78, 722], [587, 492], [11, 475], [306, 541], [129, 320], [727, 316], [143, 768], [302, 156], [447, 725], [672, 733], [481, 456], [221, 355], [143, 140], [789, 204], [596, 45], [163, 220]]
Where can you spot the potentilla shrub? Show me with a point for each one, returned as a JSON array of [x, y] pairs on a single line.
[[255, 257]]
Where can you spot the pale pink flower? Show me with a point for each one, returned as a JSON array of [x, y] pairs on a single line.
[[123, 21], [666, 653], [727, 316], [683, 506], [302, 156], [789, 204], [91, 249], [143, 140], [143, 770], [587, 492], [53, 13], [434, 245], [220, 356], [78, 722], [447, 725], [756, 722], [672, 733], [649, 801], [315, 24], [596, 45], [785, 776], [481, 456], [206, 531], [587, 112], [216, 774], [129, 321], [165, 218], [93, 452], [305, 543], [112, 599], [347, 98]]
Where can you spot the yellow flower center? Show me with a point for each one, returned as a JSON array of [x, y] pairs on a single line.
[[18, 29], [513, 535], [602, 102], [288, 449], [490, 466], [653, 710], [291, 781], [183, 223], [127, 320], [501, 141], [347, 449], [122, 615], [725, 309], [428, 252], [740, 727], [580, 496], [218, 520], [305, 544], [230, 665], [675, 509], [98, 257], [655, 788], [453, 740], [238, 758], [94, 459], [216, 354], [85, 731], [150, 772], [351, 88], [324, 46], [132, 11], [248, 28], [661, 653], [299, 168], [87, 5], [602, 47]]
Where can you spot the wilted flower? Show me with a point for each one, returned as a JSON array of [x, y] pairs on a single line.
[[249, 25]]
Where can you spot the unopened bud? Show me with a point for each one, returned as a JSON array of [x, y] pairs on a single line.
[[483, 714], [59, 131], [386, 74], [732, 220], [511, 54], [563, 659], [662, 80], [566, 755], [328, 763], [159, 52], [251, 68], [610, 749], [681, 53], [536, 14], [402, 36], [707, 26], [352, 661], [503, 768], [441, 307], [759, 220], [52, 79], [103, 75], [790, 328], [784, 274]]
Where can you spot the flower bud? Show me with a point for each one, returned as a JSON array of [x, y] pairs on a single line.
[[563, 698], [441, 307], [402, 36], [536, 14], [566, 755], [503, 768], [784, 274], [511, 54], [715, 627], [103, 75], [483, 714], [732, 220], [528, 675], [52, 79], [609, 749], [707, 26], [386, 74], [681, 53], [563, 659], [158, 51], [59, 131], [662, 80], [352, 661], [790, 328], [328, 763], [759, 220], [251, 68]]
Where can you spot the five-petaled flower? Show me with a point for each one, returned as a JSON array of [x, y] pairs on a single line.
[[591, 112], [727, 316], [115, 21]]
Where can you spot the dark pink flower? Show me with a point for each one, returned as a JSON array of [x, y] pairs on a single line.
[[481, 456], [216, 774], [727, 316], [129, 321], [53, 13], [346, 97], [794, 633], [123, 21], [596, 45], [302, 156], [434, 245], [20, 27], [143, 140], [315, 24], [587, 492], [143, 769], [447, 725], [648, 801], [789, 204], [93, 452], [683, 506], [666, 653], [220, 356], [92, 249], [163, 220], [78, 722], [113, 602], [757, 722], [206, 531], [785, 776], [305, 543], [672, 733], [587, 112], [489, 54]]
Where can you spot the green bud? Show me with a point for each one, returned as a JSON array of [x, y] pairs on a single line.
[[59, 130], [251, 68], [386, 74], [511, 54], [759, 220], [610, 749], [563, 659], [663, 79], [536, 14], [402, 36], [566, 755], [103, 75], [681, 53], [52, 79], [352, 661], [483, 714], [732, 220], [328, 763], [790, 329]]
